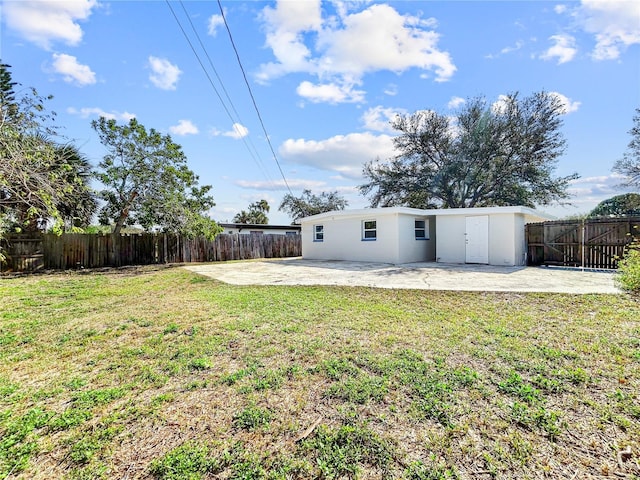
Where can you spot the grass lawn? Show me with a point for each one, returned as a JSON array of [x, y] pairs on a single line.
[[160, 373]]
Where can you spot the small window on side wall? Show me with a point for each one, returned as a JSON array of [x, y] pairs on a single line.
[[318, 233], [369, 230], [421, 230]]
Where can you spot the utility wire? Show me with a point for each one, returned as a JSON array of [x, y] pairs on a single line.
[[226, 109], [251, 147], [244, 75]]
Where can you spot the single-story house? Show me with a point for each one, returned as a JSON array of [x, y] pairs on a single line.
[[259, 229], [488, 235]]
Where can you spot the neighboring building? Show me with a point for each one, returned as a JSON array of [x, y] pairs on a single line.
[[489, 235], [259, 229]]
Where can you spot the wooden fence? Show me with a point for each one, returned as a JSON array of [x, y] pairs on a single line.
[[33, 252], [592, 243]]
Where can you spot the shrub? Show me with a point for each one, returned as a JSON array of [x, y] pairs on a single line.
[[628, 277]]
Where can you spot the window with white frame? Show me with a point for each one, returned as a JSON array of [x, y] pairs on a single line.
[[421, 230], [369, 230], [318, 233]]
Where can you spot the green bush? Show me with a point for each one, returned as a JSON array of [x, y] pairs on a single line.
[[629, 268]]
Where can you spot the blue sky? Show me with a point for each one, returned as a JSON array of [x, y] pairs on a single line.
[[326, 77]]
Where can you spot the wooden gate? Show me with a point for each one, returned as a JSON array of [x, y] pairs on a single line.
[[592, 243]]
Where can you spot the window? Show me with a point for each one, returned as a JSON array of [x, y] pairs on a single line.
[[369, 230], [422, 230], [318, 233]]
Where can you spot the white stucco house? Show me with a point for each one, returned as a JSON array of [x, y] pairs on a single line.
[[486, 235]]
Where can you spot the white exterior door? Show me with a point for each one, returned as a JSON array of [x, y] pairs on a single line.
[[477, 239]]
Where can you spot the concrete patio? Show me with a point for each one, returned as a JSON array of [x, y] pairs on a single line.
[[428, 276]]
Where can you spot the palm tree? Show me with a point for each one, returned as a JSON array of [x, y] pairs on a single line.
[[78, 205], [242, 217], [257, 214]]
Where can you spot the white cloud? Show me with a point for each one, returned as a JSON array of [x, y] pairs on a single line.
[[518, 45], [285, 25], [214, 22], [560, 9], [72, 71], [602, 186], [379, 38], [43, 22], [379, 118], [564, 49], [329, 93], [568, 105], [391, 90], [237, 131], [615, 25], [612, 180], [340, 50], [164, 74], [280, 185], [344, 154], [184, 127], [586, 193], [223, 214], [87, 112], [455, 102]]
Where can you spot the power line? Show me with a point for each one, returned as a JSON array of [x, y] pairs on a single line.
[[226, 109], [251, 147], [255, 105]]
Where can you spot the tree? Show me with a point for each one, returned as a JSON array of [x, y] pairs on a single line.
[[80, 204], [37, 177], [309, 204], [629, 164], [257, 214], [7, 94], [620, 205], [488, 155], [147, 182]]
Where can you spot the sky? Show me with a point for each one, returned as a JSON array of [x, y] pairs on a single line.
[[293, 95]]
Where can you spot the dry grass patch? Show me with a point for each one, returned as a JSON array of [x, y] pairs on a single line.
[[164, 374]]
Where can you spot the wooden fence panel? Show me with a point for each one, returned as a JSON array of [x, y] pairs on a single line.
[[71, 250], [592, 243], [24, 253]]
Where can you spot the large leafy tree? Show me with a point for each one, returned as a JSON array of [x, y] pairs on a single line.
[[147, 182], [629, 164], [309, 204], [487, 155], [39, 180], [620, 205]]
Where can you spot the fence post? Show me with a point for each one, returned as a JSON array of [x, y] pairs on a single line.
[[584, 234]]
